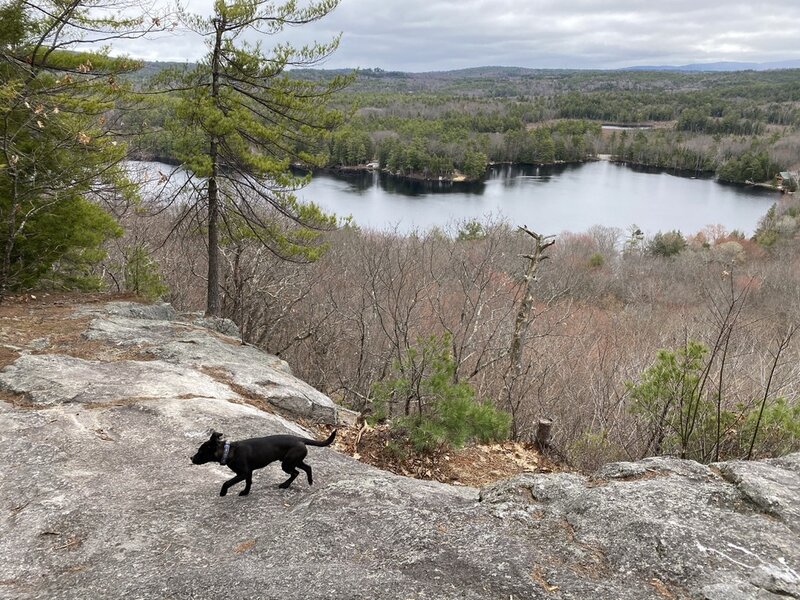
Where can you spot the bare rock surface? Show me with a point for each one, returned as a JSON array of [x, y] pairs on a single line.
[[59, 379], [99, 499], [157, 330]]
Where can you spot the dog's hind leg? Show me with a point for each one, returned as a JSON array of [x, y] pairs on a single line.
[[307, 469], [293, 460], [289, 467]]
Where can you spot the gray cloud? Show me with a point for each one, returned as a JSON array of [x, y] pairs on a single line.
[[426, 35]]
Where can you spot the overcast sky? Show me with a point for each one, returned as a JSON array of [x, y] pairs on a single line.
[[431, 35]]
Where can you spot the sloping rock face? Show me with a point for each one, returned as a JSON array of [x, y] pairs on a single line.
[[183, 359], [99, 499]]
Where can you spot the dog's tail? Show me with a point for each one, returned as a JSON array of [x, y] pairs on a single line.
[[327, 442]]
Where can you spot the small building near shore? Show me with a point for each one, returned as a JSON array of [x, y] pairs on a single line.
[[785, 177]]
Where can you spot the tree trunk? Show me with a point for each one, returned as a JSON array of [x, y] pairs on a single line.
[[213, 303], [522, 321], [5, 268], [213, 300]]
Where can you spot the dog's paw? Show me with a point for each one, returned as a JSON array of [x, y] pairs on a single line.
[[244, 492], [283, 486], [223, 491]]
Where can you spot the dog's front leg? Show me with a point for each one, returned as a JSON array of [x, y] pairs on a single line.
[[248, 480], [233, 481]]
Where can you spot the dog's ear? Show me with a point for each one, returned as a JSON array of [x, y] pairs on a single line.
[[215, 436]]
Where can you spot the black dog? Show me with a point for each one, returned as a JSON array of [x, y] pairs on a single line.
[[248, 455]]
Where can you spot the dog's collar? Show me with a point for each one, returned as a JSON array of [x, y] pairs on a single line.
[[225, 452]]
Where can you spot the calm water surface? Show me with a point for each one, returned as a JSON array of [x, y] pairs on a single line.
[[546, 199]]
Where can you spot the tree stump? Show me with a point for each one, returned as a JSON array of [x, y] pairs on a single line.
[[544, 429]]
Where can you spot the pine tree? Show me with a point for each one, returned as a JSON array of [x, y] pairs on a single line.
[[239, 122], [59, 152]]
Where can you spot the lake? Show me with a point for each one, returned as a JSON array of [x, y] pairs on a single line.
[[546, 199]]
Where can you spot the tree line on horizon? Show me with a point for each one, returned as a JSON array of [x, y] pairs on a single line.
[[445, 125]]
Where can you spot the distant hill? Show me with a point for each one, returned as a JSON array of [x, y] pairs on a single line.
[[721, 66], [509, 82], [499, 72]]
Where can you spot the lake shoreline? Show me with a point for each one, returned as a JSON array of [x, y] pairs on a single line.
[[461, 179], [639, 167], [419, 177], [567, 197]]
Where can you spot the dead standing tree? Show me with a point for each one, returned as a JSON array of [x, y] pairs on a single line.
[[513, 396]]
